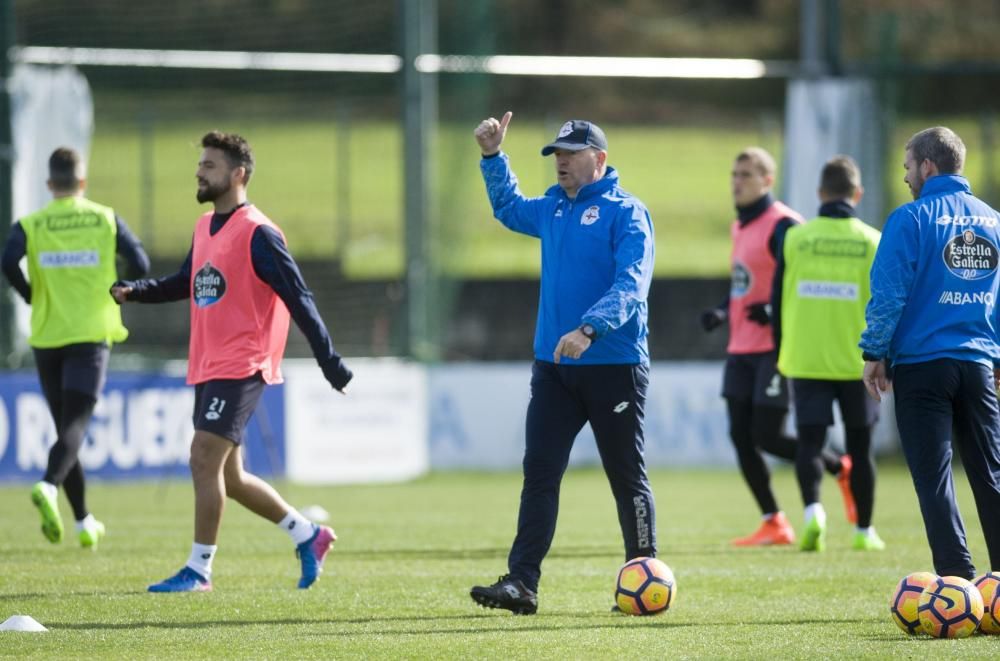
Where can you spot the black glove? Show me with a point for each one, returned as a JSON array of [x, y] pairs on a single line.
[[119, 283], [336, 372], [759, 313], [712, 319]]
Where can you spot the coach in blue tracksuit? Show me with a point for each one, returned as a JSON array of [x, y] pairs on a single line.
[[933, 318], [591, 359]]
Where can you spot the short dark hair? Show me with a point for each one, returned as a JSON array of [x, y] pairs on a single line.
[[841, 177], [941, 146], [235, 147], [66, 169]]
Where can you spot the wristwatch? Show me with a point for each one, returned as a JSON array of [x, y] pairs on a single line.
[[589, 332]]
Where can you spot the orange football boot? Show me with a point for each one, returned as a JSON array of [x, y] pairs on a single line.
[[772, 532], [844, 482]]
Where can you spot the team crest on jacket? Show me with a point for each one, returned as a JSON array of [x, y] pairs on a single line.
[[591, 215], [209, 286], [971, 256]]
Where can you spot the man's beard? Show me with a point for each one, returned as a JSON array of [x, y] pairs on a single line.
[[211, 193]]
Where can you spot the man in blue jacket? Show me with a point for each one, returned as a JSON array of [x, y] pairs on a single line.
[[932, 319], [591, 359]]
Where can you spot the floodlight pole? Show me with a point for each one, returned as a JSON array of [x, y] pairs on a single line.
[[7, 320], [419, 35]]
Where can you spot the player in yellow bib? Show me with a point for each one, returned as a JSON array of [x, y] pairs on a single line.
[[71, 247], [819, 297]]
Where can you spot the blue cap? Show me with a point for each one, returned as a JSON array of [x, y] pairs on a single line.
[[577, 134]]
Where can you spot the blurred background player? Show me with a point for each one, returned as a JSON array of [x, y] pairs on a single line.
[[756, 394], [244, 286], [818, 307], [932, 318], [71, 245], [591, 359]]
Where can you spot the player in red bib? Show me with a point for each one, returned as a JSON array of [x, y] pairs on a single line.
[[244, 287], [756, 394]]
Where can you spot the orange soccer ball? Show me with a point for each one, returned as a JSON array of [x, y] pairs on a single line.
[[906, 598], [950, 607], [989, 587], [645, 586]]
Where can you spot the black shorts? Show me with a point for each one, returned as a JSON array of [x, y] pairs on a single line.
[[814, 403], [78, 367], [755, 377], [224, 406]]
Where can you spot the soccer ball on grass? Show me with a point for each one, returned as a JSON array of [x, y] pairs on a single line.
[[645, 586], [906, 598], [950, 607], [989, 587]]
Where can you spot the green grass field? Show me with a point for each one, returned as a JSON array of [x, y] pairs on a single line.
[[349, 203], [296, 183], [396, 585]]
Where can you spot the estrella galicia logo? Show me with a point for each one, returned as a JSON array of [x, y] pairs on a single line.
[[971, 256], [742, 280], [209, 285]]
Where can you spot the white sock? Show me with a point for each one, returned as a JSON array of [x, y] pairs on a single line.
[[815, 511], [201, 558], [298, 527], [50, 489], [87, 522], [867, 532]]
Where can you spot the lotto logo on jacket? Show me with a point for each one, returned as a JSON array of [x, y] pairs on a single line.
[[209, 285]]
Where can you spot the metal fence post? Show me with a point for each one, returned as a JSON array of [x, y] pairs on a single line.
[[7, 321], [419, 35]]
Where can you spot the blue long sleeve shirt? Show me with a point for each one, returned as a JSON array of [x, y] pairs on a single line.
[[934, 280], [597, 262]]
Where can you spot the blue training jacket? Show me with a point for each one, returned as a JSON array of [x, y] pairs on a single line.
[[934, 280], [597, 262]]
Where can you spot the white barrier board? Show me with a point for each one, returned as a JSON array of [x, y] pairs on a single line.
[[375, 433], [477, 414]]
